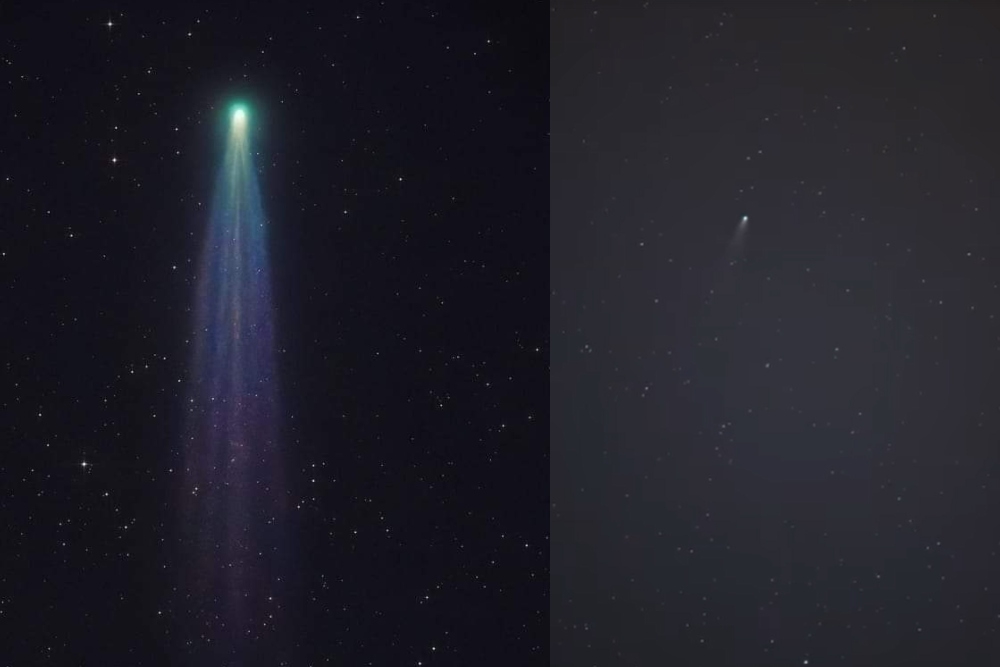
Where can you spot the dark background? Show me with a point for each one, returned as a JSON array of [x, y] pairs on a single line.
[[411, 322], [788, 455]]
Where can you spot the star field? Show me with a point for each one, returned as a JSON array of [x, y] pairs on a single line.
[[774, 445], [401, 155]]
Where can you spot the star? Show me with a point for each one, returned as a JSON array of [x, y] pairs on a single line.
[[114, 160]]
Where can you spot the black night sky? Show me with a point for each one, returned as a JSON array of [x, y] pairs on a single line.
[[402, 156], [778, 447]]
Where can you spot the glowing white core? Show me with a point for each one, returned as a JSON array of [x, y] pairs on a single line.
[[240, 117]]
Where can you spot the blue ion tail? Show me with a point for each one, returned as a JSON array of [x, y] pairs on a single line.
[[232, 497]]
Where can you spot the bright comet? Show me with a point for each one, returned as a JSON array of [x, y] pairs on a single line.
[[232, 494]]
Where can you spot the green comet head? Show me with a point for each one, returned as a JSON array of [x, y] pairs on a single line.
[[239, 115]]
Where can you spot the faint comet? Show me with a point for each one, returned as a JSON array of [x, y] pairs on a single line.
[[736, 242]]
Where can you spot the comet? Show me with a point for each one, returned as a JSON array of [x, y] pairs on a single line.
[[735, 250], [232, 493]]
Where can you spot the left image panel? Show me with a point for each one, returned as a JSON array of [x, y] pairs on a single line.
[[275, 347]]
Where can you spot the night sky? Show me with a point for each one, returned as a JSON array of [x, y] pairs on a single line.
[[402, 161], [780, 447]]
